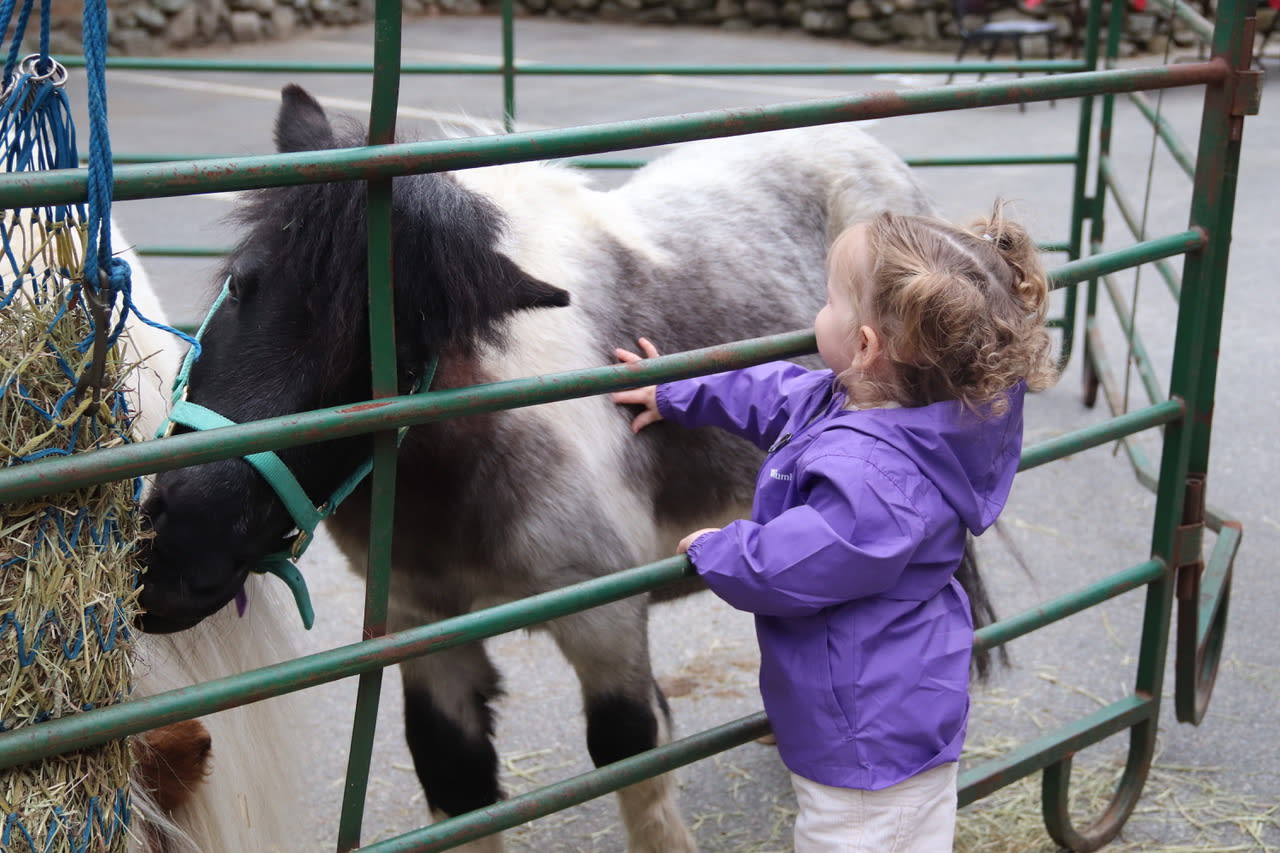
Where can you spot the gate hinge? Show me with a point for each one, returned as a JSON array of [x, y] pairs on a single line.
[[1188, 540], [1247, 92]]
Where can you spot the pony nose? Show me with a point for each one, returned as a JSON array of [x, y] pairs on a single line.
[[151, 622], [190, 568]]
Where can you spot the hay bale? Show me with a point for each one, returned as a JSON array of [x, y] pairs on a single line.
[[68, 578]]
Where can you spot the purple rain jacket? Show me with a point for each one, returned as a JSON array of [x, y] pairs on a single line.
[[857, 527]]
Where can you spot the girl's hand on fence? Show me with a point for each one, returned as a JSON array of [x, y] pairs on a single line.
[[647, 397], [683, 547]]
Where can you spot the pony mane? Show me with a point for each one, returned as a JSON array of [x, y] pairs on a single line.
[[256, 748], [454, 287]]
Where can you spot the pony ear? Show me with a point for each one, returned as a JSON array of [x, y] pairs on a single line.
[[520, 290], [530, 292], [301, 124]]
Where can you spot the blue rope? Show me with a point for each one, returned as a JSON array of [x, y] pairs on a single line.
[[18, 33], [7, 8], [100, 172], [191, 342], [98, 829], [108, 630], [46, 17], [38, 133]]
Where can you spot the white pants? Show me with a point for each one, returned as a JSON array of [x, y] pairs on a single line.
[[917, 815]]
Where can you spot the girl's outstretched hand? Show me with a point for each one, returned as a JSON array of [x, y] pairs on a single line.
[[646, 396], [683, 547]]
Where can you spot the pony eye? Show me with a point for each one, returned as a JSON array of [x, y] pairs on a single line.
[[240, 286]]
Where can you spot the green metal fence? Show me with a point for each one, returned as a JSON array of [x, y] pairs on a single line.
[[1175, 570]]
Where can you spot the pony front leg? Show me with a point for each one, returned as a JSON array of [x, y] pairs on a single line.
[[448, 724], [626, 715]]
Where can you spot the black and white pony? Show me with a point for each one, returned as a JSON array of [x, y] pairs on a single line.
[[505, 272]]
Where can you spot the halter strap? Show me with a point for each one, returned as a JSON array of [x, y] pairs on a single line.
[[306, 515], [268, 464]]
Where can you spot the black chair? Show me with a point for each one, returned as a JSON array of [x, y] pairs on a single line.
[[1266, 32], [993, 32]]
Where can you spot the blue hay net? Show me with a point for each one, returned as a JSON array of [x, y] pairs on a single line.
[[40, 244], [59, 258], [99, 829]]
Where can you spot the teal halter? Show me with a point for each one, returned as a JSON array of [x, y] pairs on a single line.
[[306, 516]]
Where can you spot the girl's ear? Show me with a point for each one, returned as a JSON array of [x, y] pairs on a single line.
[[868, 350]]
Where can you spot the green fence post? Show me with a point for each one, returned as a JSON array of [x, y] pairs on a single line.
[[1194, 377], [382, 353]]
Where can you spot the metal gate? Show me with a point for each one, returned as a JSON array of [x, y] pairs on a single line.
[[1176, 570]]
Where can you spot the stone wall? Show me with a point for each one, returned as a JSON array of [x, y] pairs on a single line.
[[139, 27], [151, 26]]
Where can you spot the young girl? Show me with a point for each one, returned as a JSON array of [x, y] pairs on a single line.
[[876, 470]]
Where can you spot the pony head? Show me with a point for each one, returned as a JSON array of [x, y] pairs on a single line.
[[292, 335]]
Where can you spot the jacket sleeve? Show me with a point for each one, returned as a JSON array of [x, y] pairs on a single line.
[[852, 537], [753, 403]]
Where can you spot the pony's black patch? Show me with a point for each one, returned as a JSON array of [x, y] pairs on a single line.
[[619, 727], [459, 773]]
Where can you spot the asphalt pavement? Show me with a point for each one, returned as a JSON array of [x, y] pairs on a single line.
[[1076, 521]]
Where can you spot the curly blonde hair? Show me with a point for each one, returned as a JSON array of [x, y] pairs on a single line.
[[960, 311]]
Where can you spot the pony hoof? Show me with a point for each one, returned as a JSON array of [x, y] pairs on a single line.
[[677, 843]]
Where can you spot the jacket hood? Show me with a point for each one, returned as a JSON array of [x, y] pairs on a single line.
[[971, 459]]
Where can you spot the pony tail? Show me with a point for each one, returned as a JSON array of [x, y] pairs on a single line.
[[1029, 285], [1020, 252]]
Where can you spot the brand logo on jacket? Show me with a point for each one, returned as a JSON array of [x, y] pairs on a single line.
[[778, 475]]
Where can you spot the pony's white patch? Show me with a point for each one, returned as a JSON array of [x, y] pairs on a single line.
[[553, 214], [255, 747], [156, 353], [230, 197], [653, 822], [590, 426]]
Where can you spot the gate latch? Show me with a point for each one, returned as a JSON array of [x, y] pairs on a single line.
[[1188, 541]]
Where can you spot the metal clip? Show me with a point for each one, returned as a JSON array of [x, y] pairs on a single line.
[[57, 73], [300, 542], [100, 302]]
